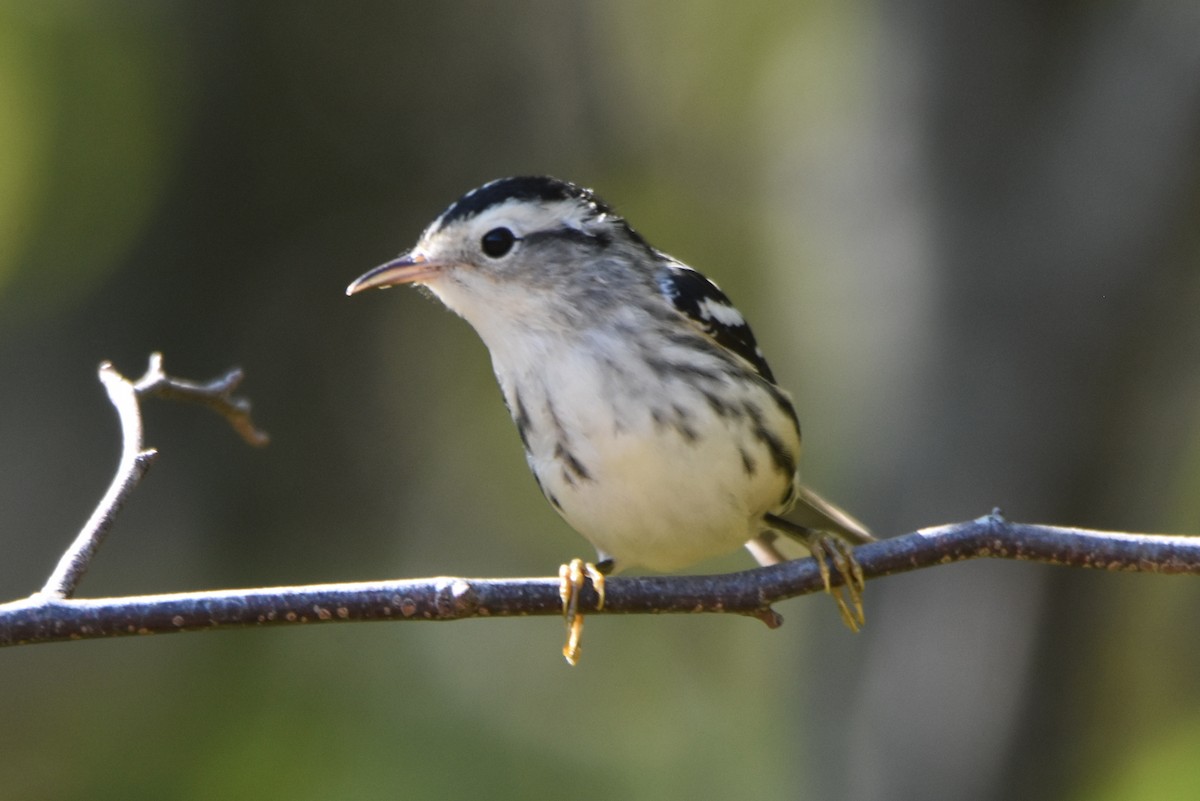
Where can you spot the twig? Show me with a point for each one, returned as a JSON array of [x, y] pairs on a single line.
[[216, 395], [750, 592], [136, 459]]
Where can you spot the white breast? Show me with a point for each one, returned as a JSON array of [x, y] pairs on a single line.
[[639, 462]]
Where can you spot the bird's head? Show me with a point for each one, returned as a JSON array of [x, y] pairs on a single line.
[[520, 247]]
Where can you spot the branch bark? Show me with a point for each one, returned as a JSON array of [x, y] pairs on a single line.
[[52, 615], [750, 592]]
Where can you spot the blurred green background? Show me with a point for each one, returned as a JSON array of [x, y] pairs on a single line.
[[967, 235]]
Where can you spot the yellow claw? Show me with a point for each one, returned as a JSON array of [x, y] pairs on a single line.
[[571, 577], [827, 548], [832, 549]]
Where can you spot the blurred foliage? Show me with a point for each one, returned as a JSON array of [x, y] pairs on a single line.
[[965, 233], [1162, 768], [90, 123]]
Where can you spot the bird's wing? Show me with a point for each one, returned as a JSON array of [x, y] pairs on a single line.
[[704, 304]]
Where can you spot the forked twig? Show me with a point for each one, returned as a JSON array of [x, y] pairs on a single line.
[[216, 395], [136, 458]]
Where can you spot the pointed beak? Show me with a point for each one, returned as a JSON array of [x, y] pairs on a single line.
[[411, 268]]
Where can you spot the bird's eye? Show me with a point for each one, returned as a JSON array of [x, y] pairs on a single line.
[[497, 242]]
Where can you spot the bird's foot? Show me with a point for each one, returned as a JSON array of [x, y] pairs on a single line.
[[572, 578], [829, 550]]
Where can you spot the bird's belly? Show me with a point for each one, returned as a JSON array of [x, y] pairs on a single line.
[[647, 494]]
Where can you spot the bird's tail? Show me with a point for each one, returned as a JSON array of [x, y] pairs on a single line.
[[815, 513]]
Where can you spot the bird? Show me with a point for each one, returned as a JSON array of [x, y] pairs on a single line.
[[649, 416]]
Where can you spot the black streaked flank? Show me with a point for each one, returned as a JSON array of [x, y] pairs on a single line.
[[747, 462], [784, 403], [780, 455], [572, 467], [784, 460], [664, 368], [677, 421], [521, 418], [719, 407], [681, 424], [690, 293], [549, 495]]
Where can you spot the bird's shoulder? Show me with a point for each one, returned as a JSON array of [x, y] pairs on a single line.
[[709, 309]]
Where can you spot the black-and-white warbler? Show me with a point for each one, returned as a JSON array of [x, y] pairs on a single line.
[[649, 416]]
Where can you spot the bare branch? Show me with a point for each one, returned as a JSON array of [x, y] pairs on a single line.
[[751, 592], [136, 459], [52, 615]]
